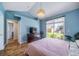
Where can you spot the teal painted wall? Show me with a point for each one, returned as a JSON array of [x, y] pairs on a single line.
[[72, 22], [43, 27], [1, 27], [25, 23]]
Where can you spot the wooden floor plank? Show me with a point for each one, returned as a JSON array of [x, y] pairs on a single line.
[[14, 49]]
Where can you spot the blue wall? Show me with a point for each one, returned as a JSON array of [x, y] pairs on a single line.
[[9, 15], [1, 27], [71, 22], [25, 23], [43, 27]]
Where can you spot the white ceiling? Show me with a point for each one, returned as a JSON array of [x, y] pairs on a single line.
[[51, 8], [18, 6]]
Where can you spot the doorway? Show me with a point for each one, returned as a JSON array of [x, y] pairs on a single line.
[[55, 28], [12, 31]]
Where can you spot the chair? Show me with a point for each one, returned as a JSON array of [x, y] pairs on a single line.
[[69, 38], [76, 36]]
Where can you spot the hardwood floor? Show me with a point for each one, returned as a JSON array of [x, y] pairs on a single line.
[[13, 48]]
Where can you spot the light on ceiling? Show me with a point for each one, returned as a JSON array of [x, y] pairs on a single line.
[[40, 11]]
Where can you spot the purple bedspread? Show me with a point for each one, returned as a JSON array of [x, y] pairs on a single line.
[[48, 47]]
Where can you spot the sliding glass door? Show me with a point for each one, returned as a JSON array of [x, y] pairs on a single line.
[[55, 28]]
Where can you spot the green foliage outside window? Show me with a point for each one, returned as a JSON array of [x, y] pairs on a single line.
[[55, 35]]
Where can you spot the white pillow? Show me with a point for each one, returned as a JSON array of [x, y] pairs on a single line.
[[77, 42]]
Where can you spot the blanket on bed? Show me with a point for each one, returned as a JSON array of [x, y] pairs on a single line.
[[48, 47]]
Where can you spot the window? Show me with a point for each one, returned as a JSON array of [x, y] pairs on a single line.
[[55, 28]]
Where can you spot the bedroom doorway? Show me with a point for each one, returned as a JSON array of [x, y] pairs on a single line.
[[55, 28], [12, 31]]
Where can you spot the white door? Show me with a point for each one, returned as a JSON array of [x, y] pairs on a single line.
[[10, 30]]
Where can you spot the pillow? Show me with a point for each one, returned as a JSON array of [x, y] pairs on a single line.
[[77, 42]]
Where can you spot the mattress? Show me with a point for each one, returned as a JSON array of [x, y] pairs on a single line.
[[48, 47]]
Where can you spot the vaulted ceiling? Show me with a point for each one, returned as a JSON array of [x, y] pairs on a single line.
[[51, 8]]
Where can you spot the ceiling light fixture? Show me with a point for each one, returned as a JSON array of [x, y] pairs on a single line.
[[40, 11]]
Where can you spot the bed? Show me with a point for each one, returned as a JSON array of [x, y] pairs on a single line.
[[48, 47]]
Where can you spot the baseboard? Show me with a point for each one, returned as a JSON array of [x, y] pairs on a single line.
[[22, 42]]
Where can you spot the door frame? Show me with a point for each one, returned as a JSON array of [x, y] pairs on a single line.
[[6, 40]]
